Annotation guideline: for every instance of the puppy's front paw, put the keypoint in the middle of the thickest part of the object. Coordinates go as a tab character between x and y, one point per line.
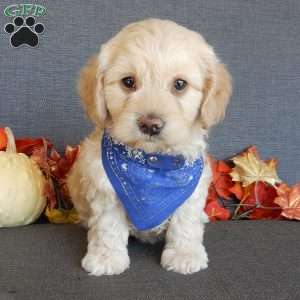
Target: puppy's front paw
184	261
98	264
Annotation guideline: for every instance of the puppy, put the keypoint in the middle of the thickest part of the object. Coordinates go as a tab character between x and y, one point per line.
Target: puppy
153	92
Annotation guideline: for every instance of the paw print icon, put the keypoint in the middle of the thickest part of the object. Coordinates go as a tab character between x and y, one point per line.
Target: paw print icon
24	31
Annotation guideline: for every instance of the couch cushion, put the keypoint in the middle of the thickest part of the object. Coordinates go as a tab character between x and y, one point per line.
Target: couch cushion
248	260
258	40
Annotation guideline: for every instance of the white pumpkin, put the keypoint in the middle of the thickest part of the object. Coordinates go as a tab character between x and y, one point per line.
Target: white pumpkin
22	184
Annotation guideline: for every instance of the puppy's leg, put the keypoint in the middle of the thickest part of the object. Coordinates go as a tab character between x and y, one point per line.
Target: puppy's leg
184	250
107	241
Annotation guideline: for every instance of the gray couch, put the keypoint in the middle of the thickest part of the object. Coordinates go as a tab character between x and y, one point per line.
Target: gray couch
260	43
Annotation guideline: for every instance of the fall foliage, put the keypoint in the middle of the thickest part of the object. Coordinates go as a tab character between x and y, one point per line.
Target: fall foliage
252	187
243	187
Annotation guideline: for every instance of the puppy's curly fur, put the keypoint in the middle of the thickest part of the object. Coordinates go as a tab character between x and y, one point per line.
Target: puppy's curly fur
155	53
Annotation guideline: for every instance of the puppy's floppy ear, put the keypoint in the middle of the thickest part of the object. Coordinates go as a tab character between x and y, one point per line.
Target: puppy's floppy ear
216	94
90	88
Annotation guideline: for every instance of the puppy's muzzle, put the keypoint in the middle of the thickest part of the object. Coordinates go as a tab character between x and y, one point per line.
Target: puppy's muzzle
150	124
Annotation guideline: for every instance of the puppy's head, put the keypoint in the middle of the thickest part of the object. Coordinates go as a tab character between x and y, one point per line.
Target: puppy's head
154	85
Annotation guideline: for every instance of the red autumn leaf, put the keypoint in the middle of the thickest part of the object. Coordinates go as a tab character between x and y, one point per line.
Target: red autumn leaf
29	145
221	179
54	155
262	207
213	209
223	167
216	212
223	185
3	139
60	166
40	156
289	200
238	190
54	166
212	194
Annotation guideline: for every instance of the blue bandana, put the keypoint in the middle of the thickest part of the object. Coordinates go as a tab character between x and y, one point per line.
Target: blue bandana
151	186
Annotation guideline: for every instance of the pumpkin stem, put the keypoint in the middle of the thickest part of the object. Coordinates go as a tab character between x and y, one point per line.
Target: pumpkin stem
11	144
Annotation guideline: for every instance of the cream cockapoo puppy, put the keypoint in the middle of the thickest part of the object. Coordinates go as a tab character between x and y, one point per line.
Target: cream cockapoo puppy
158	87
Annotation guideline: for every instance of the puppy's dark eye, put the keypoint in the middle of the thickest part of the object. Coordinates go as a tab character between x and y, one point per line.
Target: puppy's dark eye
180	84
129	82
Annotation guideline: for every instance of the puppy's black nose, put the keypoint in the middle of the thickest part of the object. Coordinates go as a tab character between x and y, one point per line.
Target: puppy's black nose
150	124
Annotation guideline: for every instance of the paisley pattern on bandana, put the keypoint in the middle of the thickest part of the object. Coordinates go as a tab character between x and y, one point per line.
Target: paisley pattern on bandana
151	186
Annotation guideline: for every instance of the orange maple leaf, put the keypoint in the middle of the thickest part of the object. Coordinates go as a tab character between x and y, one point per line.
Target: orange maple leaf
29	145
289	200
